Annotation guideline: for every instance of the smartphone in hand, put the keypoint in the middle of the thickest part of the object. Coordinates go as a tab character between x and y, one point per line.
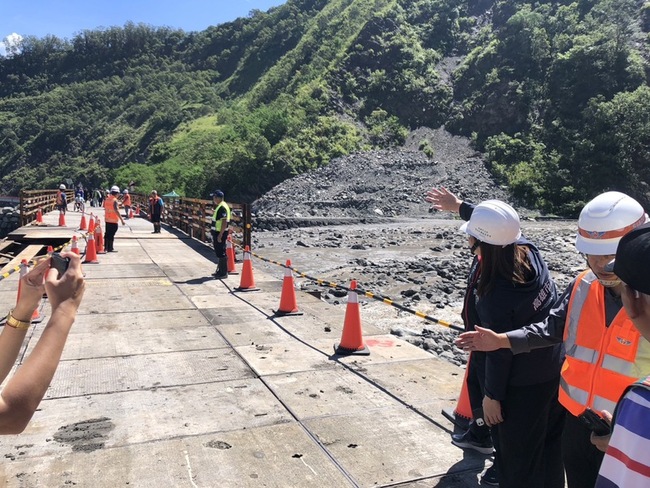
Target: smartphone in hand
59	263
595	422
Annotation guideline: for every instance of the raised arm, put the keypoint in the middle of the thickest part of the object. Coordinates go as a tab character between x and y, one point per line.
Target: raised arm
31	292
25	390
443	199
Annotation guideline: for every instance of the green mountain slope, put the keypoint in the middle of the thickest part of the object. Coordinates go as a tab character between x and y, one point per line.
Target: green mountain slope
555	93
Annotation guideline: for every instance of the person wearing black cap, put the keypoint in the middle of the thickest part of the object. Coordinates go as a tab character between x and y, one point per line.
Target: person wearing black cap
219	231
627	452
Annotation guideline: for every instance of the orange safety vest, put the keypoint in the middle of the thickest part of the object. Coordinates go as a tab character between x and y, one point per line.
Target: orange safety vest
59	198
600	360
110	215
127	200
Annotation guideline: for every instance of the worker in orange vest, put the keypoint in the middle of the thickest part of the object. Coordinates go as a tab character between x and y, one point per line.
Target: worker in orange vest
126	201
112	217
605	353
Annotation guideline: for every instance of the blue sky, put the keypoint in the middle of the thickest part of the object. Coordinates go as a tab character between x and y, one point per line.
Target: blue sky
64	18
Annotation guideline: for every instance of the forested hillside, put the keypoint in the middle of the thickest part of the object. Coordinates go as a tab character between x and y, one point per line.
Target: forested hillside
554	93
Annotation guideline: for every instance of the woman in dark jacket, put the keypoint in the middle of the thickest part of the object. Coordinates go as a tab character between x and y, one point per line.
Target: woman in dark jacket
509	282
520	392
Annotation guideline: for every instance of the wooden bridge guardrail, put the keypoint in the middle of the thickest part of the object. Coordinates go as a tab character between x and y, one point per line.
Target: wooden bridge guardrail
33	200
193	216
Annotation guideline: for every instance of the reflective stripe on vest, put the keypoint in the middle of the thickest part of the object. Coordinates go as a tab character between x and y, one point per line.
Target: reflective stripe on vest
216	224
600	360
110	215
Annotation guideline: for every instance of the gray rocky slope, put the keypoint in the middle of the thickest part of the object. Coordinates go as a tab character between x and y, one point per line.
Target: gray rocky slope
364	217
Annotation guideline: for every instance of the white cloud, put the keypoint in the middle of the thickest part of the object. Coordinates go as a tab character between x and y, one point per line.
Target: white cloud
10	44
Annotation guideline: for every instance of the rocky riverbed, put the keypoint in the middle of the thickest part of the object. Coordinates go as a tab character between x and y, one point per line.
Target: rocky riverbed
364	217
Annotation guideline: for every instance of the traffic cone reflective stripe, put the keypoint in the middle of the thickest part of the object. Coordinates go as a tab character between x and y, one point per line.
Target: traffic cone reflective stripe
91	251
288	305
74	247
91	224
83	225
230	254
352	337
99	238
247	282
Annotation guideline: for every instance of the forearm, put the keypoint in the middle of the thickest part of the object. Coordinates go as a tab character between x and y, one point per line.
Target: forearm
26	389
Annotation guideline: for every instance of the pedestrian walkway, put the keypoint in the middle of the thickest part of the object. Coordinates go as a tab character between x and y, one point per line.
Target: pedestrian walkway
171	379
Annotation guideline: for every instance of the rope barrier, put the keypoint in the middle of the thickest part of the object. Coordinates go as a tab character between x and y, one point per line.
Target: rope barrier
369	294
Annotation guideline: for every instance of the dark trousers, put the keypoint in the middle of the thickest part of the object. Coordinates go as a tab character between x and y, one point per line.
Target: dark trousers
581	458
528	442
476	391
109	236
219	247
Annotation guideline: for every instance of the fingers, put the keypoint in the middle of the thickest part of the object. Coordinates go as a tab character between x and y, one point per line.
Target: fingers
36	275
607	416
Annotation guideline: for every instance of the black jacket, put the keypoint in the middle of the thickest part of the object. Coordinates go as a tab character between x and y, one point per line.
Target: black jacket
507	307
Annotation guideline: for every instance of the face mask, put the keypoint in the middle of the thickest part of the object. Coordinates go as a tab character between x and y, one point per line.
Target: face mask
609	283
606	283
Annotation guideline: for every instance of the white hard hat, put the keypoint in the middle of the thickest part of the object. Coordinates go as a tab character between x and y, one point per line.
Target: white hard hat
115	189
61	186
605	219
494	222
125	191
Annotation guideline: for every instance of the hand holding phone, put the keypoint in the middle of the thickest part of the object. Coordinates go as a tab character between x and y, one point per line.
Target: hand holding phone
59	263
595	422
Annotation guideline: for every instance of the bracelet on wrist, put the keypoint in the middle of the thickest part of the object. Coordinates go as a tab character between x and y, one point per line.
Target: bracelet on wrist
15	323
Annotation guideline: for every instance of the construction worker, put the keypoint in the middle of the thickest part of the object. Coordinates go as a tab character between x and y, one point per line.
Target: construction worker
627	451
604	352
61	199
112	217
126	201
219	231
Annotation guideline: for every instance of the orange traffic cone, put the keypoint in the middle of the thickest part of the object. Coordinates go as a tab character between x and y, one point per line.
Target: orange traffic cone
99	238
91	224
91	250
462	414
50	250
39	216
137	210
83	225
74	247
61	218
230	254
247	282
131	213
288	305
352	337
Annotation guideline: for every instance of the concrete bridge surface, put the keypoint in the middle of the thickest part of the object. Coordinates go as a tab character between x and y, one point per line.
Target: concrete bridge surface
171	379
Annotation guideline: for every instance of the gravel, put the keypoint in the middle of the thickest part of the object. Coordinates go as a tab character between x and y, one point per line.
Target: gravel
364	217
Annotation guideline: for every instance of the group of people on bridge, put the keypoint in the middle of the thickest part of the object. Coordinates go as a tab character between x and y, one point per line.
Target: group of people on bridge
557	381
550	373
